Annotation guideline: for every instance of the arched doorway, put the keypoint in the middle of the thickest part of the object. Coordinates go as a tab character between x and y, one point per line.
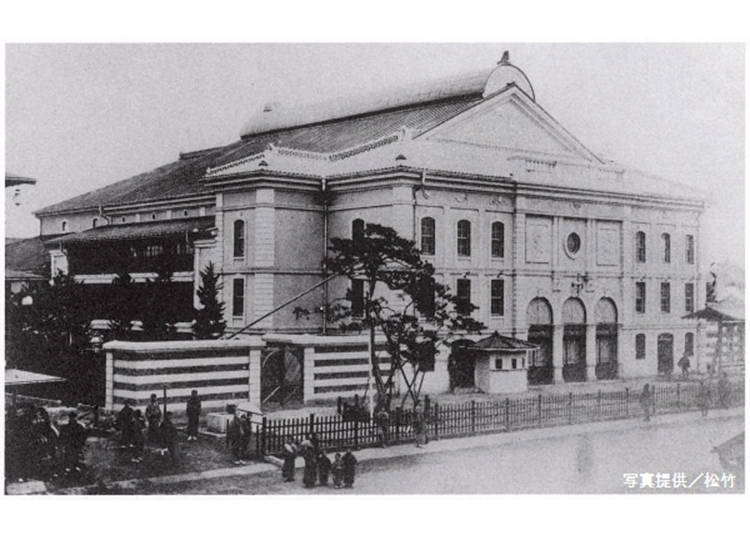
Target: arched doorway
665	353
461	365
605	316
574	340
539	320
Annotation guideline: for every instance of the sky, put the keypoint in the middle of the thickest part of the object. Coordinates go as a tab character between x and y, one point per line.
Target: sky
79	117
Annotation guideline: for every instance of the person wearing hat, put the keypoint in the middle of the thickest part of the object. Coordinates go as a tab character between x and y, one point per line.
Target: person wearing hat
349	463
289	453
153	417
73	439
193	410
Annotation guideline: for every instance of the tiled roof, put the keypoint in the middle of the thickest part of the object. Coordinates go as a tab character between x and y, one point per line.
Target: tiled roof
500	342
134	231
27	255
182	178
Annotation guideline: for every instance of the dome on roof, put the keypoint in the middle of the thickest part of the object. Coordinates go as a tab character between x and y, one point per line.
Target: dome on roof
506	73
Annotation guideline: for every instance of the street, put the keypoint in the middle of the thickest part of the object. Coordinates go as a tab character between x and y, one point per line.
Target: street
579	463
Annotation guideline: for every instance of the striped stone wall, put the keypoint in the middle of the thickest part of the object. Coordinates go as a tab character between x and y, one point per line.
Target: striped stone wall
221	371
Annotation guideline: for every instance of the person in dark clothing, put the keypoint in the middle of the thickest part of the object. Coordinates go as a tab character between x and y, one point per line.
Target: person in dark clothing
234	436
289	453
349	463
139	424
645	401
324	467
73	440
311	468
153	417
382	418
168	433
125	425
337	470
246	436
684	364
193	410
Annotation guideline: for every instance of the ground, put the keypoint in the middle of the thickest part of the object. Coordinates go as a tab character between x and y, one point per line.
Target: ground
582	462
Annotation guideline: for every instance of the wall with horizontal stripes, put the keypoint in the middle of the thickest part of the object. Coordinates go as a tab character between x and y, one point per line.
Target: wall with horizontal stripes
222	371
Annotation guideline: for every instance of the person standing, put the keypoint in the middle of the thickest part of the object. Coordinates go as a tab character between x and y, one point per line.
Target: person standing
420	427
193	410
645	401
246	433
349	463
139	424
337	470
324	467
311	468
125	424
153	416
168	433
684	364
73	440
289	453
382	418
234	436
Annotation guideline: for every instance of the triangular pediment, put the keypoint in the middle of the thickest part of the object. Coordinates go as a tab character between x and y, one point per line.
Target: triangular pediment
511	121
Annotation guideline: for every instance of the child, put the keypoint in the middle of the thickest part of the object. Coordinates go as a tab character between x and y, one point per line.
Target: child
338	471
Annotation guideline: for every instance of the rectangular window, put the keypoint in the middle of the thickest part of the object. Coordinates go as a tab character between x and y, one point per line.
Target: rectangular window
499	363
463	238
358	297
689	297
514	363
238	297
640	246
666	295
239	239
463	295
498	240
497	297
640	346
690	249
640	297
428	236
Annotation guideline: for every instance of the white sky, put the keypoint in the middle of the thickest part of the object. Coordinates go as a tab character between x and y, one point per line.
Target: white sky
79	117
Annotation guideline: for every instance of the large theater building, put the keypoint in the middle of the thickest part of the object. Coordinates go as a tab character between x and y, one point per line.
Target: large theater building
594	263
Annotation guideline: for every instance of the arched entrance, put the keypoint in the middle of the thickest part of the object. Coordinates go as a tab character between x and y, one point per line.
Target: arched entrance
665	353
574	340
539	320
605	316
461	365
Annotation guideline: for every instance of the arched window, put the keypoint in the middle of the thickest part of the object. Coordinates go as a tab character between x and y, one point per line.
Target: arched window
666	242
498	240
640	246
64	226
358	229
94	222
239	238
689	344
640	346
428	236
463	238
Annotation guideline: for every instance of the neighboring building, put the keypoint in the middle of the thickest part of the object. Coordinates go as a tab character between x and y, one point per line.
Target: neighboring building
26	260
593	263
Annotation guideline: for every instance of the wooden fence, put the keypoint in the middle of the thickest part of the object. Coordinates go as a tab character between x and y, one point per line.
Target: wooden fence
492	416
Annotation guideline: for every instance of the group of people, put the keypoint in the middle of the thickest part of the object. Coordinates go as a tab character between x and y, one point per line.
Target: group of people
702	398
156	427
318	466
239	436
36	448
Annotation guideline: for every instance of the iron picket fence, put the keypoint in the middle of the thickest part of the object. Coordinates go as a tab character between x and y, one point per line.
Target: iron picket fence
450	420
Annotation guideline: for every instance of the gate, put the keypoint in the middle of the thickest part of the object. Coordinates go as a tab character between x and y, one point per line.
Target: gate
282	375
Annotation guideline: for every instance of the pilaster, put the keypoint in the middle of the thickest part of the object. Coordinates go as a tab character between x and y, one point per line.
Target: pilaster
557	352
590	352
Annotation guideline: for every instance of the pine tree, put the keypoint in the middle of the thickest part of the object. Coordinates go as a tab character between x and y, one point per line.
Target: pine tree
157	316
209	319
123	311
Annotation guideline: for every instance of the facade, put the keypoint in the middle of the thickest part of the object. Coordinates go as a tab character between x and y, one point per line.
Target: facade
594	263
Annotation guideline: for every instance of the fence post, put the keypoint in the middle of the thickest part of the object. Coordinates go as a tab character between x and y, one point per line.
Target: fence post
338	405
473	416
599	404
570	408
507	414
627	402
435	419
678	397
539	410
312	424
356	433
263	437
653	400
398	423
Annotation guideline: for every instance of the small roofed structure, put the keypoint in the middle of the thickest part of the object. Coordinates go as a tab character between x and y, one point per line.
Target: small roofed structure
501	363
729	317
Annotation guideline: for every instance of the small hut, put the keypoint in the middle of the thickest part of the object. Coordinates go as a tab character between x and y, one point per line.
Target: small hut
728	320
501	363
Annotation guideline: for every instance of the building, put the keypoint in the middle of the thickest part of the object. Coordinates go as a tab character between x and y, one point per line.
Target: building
594	263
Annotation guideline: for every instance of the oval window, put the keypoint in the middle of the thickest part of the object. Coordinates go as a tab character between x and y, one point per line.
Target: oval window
573	243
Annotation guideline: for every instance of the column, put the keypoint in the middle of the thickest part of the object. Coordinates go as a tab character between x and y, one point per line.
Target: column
109	382
590	352
308	374
557	352
253	376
